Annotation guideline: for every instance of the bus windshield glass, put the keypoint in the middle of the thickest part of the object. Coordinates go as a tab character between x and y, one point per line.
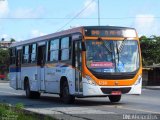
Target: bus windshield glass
112	56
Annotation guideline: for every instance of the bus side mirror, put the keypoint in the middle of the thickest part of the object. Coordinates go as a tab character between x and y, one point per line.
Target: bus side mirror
83	46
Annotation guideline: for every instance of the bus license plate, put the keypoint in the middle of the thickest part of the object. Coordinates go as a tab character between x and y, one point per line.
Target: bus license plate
116	93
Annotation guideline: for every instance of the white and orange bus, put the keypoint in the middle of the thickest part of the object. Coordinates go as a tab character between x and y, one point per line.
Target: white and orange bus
87	61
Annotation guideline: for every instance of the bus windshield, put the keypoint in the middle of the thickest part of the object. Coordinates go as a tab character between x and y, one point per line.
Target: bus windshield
112	55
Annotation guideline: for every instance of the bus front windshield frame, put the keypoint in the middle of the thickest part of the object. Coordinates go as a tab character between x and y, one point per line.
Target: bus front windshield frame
112	56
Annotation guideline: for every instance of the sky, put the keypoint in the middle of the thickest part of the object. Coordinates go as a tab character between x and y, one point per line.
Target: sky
25	19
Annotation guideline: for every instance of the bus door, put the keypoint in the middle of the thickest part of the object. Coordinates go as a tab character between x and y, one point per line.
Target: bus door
78	66
18	69
41	63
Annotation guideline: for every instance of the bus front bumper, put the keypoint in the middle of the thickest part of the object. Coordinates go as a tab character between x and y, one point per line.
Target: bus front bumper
95	90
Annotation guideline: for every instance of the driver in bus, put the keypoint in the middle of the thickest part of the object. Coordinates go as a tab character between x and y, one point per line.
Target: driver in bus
100	55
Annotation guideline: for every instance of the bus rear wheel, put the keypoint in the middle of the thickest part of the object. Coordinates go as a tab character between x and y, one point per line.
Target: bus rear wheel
29	93
114	98
65	95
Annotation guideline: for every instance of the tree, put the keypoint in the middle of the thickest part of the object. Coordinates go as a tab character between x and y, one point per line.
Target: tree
12	40
4	60
150	48
2	39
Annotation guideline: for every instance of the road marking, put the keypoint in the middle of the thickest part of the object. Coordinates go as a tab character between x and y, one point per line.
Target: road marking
134	109
10	93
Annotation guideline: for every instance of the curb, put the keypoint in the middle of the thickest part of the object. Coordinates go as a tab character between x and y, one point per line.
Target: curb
152	87
4	81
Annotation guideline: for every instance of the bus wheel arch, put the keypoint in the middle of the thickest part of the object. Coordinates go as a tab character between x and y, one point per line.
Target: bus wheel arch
29	93
27	88
26	80
64	91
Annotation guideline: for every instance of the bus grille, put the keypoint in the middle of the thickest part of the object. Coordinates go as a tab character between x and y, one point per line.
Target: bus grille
109	90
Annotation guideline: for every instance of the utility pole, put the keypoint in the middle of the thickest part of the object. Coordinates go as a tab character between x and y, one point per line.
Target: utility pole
98	14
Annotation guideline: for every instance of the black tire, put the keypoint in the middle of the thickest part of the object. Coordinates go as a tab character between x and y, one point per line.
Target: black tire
27	90
36	95
114	98
65	96
29	93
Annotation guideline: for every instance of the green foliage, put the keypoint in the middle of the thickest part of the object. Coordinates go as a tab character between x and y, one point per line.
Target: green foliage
19	106
4	56
150	49
8	112
4	59
13	40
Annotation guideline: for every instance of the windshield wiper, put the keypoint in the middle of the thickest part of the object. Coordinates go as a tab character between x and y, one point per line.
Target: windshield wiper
122	45
117	51
105	45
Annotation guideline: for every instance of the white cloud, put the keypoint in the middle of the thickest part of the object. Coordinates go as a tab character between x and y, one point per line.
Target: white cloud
147	25
28	12
36	33
7	37
4	36
91	7
4	9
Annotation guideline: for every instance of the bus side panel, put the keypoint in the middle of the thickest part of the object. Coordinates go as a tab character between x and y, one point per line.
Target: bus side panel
70	74
53	76
30	73
12	78
19	81
51	82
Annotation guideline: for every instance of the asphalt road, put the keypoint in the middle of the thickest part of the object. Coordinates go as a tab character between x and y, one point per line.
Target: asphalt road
139	107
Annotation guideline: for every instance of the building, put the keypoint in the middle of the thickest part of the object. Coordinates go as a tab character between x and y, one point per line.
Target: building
151	75
5	44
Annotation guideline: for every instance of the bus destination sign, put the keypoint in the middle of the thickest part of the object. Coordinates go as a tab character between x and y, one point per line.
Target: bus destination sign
104	33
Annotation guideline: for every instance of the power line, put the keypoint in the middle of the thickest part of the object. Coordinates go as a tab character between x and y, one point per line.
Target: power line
30	18
75	16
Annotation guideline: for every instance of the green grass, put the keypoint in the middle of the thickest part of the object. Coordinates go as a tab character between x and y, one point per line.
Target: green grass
8	112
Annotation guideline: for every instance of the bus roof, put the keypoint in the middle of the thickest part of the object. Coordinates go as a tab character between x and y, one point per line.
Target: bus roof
49	36
63	33
106	27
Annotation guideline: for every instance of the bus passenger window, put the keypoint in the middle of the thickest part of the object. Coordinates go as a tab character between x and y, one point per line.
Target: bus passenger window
54	50
26	54
13	55
65	49
33	53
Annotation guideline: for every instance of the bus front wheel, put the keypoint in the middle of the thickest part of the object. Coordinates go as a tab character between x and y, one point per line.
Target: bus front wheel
65	95
114	98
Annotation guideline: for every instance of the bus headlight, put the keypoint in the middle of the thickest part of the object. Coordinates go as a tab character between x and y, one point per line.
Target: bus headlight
139	80
90	81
